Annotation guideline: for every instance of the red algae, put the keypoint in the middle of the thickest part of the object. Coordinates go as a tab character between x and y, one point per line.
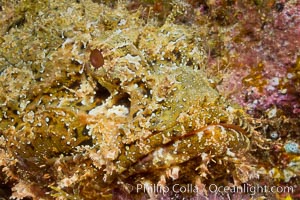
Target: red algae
269	38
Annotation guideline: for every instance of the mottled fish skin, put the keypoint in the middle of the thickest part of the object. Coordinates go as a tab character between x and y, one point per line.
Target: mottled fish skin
214	139
146	106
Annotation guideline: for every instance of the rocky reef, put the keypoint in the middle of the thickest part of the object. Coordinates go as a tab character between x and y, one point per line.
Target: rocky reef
100	99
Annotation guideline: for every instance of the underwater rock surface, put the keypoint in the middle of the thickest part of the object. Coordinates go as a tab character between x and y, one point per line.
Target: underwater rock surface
97	99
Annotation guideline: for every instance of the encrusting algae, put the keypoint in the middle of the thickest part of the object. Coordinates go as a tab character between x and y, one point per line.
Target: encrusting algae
95	100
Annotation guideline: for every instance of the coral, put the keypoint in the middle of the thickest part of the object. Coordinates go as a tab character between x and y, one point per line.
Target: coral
96	98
